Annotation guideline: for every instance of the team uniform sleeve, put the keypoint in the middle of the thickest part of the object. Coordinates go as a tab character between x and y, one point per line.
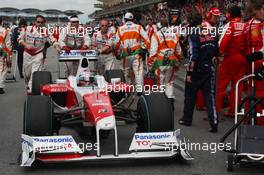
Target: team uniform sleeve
87	40
262	34
8	42
62	37
153	47
51	39
194	50
178	50
225	38
144	37
22	36
115	42
93	40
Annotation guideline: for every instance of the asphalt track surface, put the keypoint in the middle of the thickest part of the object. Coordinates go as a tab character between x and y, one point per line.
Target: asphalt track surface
205	163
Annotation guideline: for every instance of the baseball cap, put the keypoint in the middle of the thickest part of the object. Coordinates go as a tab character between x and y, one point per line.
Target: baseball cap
129	15
74	19
215	11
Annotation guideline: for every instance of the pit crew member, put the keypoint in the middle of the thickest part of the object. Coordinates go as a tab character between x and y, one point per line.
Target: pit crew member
33	39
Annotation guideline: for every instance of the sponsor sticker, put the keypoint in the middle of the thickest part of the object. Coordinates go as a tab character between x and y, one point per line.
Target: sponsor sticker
153	141
52	144
76	53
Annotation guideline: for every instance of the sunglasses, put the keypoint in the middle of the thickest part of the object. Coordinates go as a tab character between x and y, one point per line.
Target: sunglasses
75	22
40	22
104	25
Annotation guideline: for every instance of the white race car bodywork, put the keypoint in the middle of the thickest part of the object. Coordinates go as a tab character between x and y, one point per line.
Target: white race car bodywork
65	148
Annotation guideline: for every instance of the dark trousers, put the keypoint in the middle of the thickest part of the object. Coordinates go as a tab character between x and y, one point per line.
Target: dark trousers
20	52
205	82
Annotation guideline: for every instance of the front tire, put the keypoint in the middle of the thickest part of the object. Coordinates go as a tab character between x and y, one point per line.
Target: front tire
155	113
38	116
39	79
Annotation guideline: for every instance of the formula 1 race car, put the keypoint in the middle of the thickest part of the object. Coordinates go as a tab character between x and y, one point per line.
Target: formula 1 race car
91	99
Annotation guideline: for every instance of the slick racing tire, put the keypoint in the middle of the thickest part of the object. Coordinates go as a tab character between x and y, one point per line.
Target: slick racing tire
39	79
38	116
155	113
115	74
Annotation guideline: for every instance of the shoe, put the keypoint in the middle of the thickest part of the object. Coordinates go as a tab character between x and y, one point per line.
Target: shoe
213	129
182	122
21	76
2	91
205	118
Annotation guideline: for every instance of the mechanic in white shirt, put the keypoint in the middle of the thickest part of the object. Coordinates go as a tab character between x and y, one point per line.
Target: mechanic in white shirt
74	37
33	39
99	41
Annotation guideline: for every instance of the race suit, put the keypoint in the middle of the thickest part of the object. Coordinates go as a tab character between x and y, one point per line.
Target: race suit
128	41
233	66
106	61
73	39
254	35
33	56
200	101
151	29
5	53
165	52
203	48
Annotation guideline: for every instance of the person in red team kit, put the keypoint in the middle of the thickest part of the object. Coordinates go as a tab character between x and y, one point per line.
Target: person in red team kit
254	35
233	66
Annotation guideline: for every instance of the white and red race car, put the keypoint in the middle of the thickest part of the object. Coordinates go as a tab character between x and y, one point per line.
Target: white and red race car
85	98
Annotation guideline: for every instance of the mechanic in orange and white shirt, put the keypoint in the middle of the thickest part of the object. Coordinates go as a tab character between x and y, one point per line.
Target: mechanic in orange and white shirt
5	54
165	53
99	41
33	39
129	39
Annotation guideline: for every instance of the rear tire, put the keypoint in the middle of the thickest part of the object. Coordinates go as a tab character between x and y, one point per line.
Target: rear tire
39	79
155	113
38	119
113	74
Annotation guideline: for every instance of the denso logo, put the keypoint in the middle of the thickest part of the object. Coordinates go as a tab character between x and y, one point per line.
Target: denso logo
59	89
54	140
152	137
100	104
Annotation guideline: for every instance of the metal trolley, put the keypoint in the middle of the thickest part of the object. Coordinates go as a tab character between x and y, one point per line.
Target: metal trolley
248	137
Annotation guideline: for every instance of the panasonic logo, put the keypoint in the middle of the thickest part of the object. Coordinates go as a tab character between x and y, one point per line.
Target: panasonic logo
26	142
152	137
54	140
